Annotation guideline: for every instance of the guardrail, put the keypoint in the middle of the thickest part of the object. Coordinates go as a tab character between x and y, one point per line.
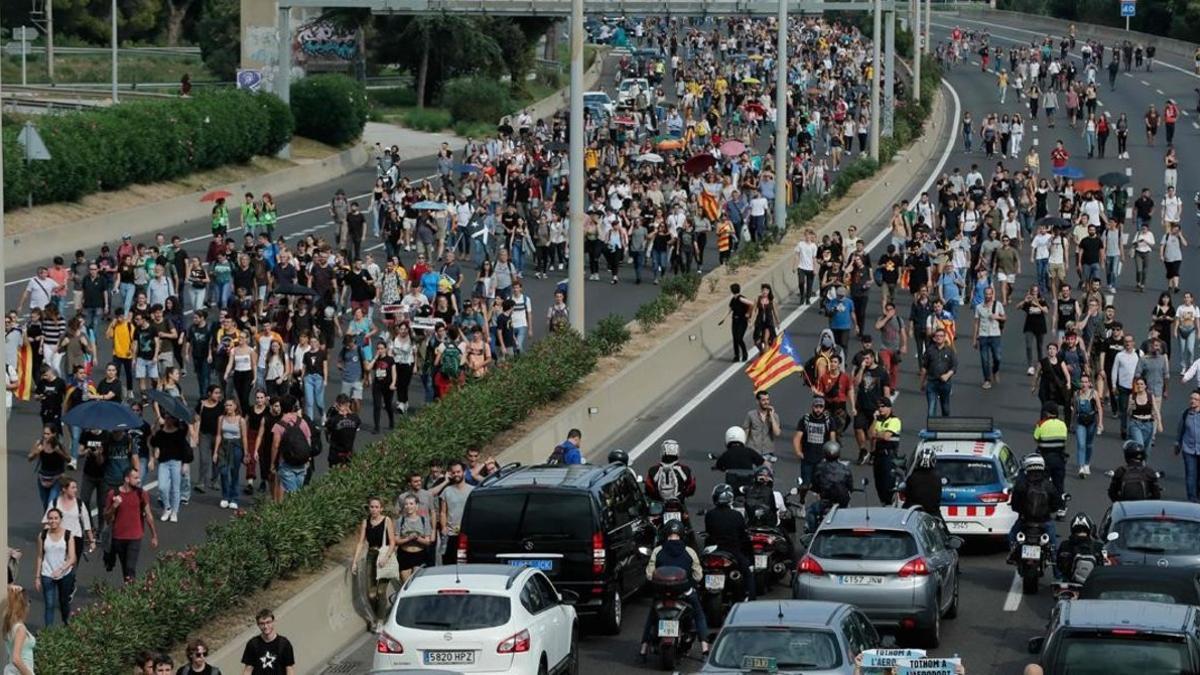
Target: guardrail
137	51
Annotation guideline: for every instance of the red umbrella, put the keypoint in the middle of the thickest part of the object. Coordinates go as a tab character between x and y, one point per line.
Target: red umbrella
699	164
756	107
1087	185
215	195
732	148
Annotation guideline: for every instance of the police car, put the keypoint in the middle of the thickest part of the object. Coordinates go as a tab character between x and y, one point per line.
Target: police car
978	471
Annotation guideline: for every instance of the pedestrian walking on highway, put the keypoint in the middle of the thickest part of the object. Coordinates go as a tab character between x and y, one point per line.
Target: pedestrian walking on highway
268	653
376	539
1088	413
56	559
762	424
1188	445
937	368
19	643
228	452
1050	435
197	655
454	500
127	509
51	458
989	324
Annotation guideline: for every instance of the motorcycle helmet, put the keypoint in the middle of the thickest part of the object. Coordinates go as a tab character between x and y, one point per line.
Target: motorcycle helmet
722	494
832	450
1033	462
763	474
618	456
1081	525
735	435
673	527
670	451
1134	452
926	458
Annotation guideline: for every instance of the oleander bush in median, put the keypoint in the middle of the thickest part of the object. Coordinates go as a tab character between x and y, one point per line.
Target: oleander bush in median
330	108
143	141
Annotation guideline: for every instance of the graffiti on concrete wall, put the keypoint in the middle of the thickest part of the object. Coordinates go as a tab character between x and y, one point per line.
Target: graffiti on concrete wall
320	45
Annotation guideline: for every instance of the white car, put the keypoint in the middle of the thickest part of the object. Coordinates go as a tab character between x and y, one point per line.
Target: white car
630	87
599	99
480	619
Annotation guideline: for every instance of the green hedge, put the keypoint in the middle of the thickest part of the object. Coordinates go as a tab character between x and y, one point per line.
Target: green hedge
144	142
184	590
330	108
477	99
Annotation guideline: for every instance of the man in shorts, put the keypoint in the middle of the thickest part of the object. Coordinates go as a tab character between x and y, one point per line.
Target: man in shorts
1008	266
145	362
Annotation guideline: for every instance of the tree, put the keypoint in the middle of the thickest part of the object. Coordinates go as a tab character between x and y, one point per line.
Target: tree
219	35
173	16
435	48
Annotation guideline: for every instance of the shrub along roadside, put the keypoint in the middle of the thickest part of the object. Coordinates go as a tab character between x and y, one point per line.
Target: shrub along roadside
184	590
143	142
330	108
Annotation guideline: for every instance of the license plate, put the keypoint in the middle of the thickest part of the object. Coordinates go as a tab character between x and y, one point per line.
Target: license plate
543	565
668	628
450	658
760	561
1029	552
668	516
861	580
957	524
714	582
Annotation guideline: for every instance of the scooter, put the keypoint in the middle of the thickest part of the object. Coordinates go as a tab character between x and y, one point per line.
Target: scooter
1081	568
740	479
673	624
667	510
724	586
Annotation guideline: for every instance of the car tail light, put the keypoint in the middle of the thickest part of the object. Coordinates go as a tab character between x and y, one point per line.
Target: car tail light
386	644
598	553
454	591
717	562
462	549
993	497
514	644
1124	631
809	565
917	567
761	540
861	531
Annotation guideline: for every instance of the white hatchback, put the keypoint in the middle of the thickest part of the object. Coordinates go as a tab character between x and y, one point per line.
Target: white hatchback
480	619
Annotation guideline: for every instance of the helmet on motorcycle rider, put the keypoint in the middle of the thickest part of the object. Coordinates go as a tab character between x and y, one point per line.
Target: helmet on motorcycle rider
1134	452
670	451
673	527
1033	462
831	450
735	435
762	474
1082	525
722	494
618	456
926	458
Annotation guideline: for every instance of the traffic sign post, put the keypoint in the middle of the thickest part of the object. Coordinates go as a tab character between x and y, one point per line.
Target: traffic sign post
22	36
35	149
1128	9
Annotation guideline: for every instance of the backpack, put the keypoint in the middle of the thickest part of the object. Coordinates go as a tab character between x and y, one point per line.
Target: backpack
668	483
451	363
558	320
557	456
1135	483
294	446
1037	502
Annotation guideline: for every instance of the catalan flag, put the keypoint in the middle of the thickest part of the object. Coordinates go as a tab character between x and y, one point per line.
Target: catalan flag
24	370
709	205
776	363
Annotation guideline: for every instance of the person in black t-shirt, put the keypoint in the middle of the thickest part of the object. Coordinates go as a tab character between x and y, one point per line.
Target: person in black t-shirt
268	653
52	392
197	654
341	428
198	346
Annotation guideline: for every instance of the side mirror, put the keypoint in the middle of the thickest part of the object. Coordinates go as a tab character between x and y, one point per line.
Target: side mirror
1112	536
799	480
1066	497
901	486
1035	644
712	457
806	540
794	491
656	508
568	597
954	543
865	482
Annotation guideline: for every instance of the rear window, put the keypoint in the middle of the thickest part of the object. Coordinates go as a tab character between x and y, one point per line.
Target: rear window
792	648
863	544
967	472
468	611
513	516
1104	655
1130	594
1160	535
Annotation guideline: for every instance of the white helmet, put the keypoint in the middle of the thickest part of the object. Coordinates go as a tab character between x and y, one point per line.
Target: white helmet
670	451
1034	462
735	435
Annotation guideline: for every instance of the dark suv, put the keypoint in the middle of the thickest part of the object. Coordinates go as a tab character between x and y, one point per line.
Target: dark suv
1098	637
587	527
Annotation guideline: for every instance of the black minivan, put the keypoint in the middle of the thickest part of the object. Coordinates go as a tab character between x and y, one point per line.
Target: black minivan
587	527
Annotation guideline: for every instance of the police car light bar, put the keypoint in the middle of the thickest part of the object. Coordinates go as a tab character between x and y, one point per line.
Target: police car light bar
960	428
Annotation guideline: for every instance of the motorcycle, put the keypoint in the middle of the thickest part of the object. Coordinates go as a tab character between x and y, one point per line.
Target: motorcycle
724	586
667	510
1033	554
1081	568
673	624
740	479
773	552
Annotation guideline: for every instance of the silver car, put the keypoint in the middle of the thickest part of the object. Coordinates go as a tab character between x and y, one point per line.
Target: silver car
791	636
899	566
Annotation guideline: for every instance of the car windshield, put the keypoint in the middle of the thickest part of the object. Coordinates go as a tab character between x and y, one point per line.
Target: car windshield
964	472
513	516
466	611
790	647
1132	594
863	544
1098	655
1160	535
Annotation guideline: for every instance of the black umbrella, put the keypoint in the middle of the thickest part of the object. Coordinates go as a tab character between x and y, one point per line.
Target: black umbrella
557	146
1054	222
172	405
294	289
104	415
1113	179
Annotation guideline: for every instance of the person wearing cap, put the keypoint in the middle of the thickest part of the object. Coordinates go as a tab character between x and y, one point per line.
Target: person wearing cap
885	441
1050	435
812	432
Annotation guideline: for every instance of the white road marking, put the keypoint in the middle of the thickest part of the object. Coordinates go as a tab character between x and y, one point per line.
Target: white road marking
1160	92
1035	142
1035	128
1129	171
1128	74
1100	103
1013	600
1195	125
735	368
1145	83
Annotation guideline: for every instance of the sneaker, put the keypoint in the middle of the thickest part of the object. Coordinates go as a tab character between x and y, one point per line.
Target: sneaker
1082	472
233	506
174	517
224	503
987	385
72	465
1031	370
198	488
249	489
1087	468
165	515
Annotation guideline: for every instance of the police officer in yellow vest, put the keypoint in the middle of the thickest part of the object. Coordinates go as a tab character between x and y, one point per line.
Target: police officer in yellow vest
1050	434
885	437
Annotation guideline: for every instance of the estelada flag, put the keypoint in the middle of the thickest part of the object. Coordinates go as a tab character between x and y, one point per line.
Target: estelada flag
24	368
774	364
709	205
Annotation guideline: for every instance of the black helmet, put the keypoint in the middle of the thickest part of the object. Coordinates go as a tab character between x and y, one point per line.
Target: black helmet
831	449
722	494
763	471
926	458
1082	525
1134	452
673	527
618	456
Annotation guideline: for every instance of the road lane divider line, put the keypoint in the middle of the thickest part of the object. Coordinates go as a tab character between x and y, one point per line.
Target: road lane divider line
1012	600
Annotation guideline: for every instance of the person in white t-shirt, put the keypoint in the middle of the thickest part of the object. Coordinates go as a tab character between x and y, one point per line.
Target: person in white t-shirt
1039	255
806	259
39	291
1172	209
522	316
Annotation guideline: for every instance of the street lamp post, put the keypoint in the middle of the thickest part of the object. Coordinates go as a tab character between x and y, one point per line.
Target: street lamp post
875	45
283	73
889	73
781	119
915	8
114	51
575	182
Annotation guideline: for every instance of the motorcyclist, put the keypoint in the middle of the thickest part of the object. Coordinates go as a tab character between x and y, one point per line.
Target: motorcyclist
762	493
1135	480
618	456
738	456
674	553
923	487
1081	542
726	529
1035	499
670	478
832	482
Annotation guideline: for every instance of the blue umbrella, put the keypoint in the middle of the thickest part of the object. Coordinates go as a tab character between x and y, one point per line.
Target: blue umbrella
1069	172
465	168
103	415
429	206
